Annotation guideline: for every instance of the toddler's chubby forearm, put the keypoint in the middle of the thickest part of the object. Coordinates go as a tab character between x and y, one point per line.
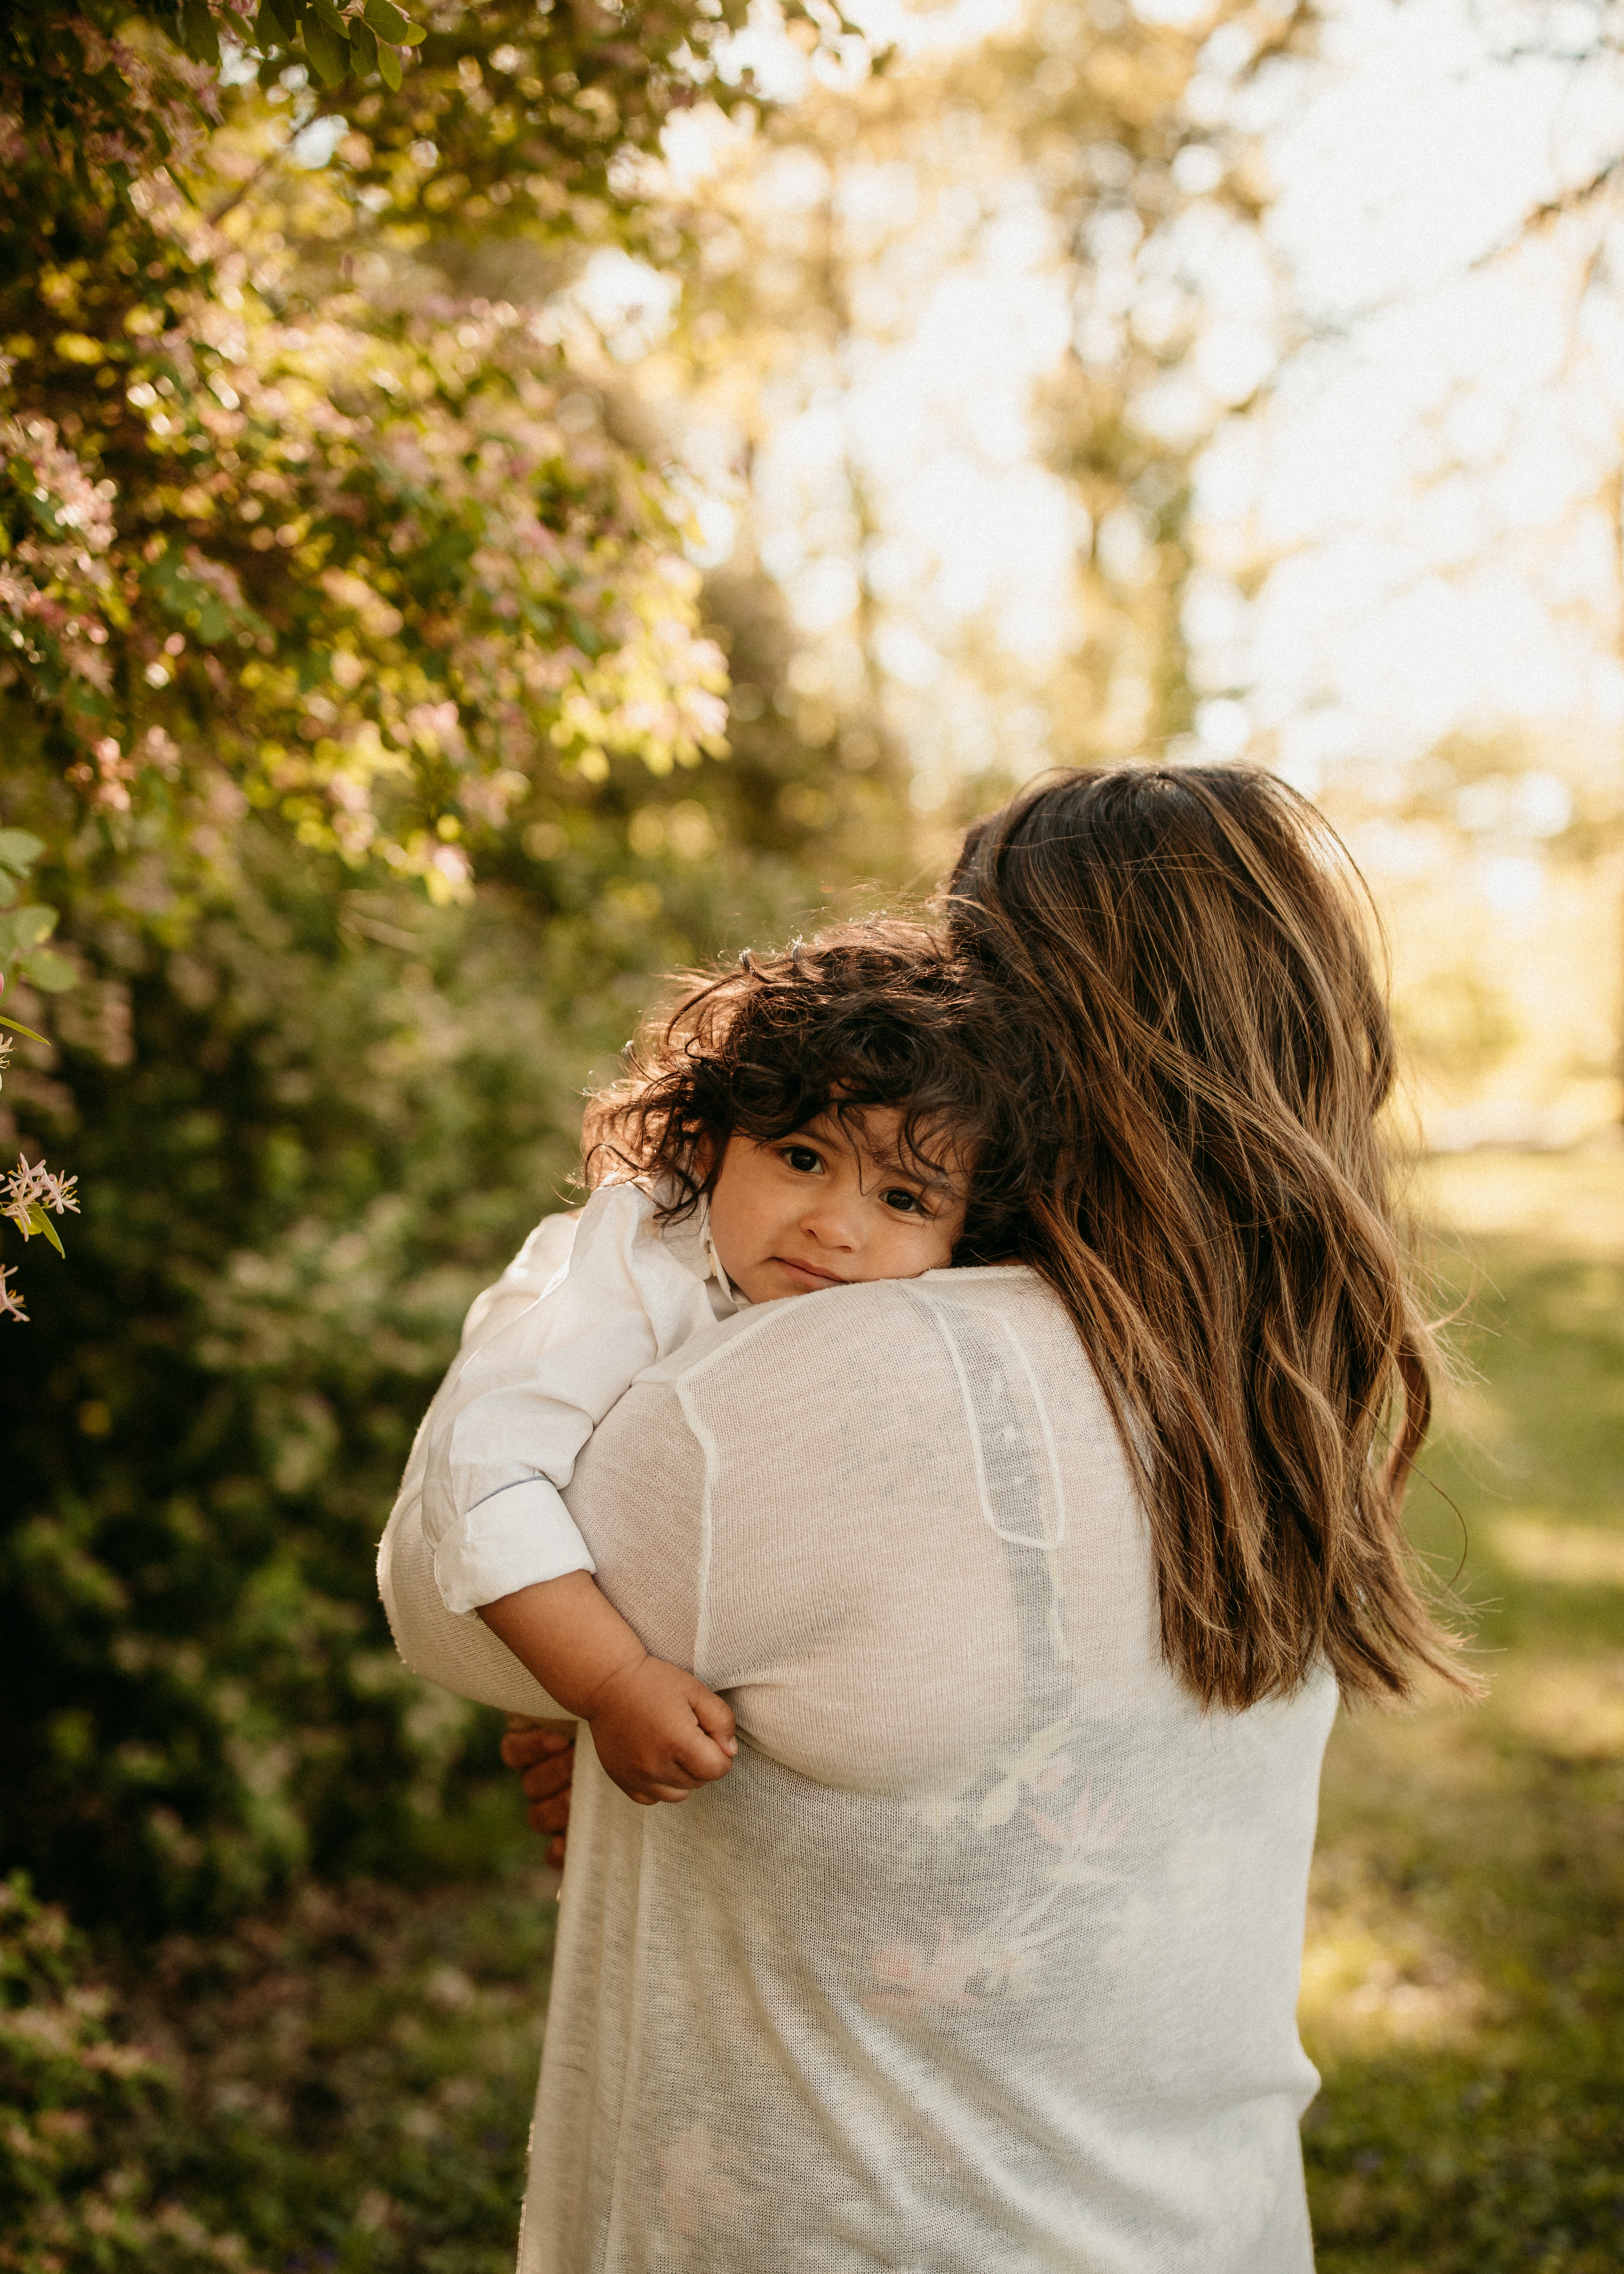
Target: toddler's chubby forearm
657	1731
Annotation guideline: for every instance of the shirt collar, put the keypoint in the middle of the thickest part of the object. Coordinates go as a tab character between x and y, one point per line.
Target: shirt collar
735	1295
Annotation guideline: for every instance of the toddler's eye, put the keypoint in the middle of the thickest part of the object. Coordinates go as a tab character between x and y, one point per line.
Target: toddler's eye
903	1202
803	1158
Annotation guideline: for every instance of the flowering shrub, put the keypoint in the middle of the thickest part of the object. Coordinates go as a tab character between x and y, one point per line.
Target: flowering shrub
376	582
286	503
306	1131
332	569
30	1195
378	565
28	1192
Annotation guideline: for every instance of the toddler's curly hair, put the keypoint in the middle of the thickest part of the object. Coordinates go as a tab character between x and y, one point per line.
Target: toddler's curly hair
864	1017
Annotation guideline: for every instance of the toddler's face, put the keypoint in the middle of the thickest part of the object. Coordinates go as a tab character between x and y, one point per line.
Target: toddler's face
826	1207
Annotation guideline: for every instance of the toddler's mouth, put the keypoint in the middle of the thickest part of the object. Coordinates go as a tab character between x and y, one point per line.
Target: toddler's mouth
812	1271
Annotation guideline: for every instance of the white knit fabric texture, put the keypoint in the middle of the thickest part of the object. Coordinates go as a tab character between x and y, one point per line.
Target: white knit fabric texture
983	1958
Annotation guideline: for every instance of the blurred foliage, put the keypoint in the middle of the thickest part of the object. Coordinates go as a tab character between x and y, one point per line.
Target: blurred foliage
323	570
1129	137
30	1195
345	2083
305	1135
1472	848
25	925
1464	1985
281	505
76	2101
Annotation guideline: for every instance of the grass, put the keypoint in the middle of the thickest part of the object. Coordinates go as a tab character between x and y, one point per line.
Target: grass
1463	1988
353	2075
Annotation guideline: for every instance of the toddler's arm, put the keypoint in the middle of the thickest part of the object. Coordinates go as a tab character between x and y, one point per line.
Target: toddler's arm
501	1438
657	1731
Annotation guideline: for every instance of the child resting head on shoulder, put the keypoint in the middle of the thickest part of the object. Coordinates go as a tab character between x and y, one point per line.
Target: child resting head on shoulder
818	1118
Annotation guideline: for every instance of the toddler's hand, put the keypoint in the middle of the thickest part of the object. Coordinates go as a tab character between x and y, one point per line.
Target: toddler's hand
659	1733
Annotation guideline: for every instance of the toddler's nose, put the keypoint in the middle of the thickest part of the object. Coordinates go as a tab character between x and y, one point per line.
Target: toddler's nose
830	1225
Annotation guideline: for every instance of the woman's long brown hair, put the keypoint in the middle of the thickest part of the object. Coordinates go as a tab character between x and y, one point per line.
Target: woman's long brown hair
1181	954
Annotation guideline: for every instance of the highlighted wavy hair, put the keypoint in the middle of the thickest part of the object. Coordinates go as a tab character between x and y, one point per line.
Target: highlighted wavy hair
1198	1049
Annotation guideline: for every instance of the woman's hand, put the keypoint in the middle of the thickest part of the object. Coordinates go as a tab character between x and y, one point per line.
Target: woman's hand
544	1753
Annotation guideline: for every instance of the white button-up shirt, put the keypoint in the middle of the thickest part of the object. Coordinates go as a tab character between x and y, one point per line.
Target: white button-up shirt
590	1300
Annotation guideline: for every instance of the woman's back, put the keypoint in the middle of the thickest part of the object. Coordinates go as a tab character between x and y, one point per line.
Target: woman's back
984	1956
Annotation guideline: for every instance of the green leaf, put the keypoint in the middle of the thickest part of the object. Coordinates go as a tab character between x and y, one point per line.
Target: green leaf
389	68
277	22
198	34
363	47
16	1027
50	972
330	17
40	1222
21	929
19	849
328	51
388	22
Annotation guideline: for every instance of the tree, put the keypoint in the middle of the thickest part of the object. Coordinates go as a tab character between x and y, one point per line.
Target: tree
1422	506
828	241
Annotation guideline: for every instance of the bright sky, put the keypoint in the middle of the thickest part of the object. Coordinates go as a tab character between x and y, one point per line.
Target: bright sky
1431	479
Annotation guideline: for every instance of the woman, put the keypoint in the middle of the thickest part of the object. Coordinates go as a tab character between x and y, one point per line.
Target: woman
1032	1601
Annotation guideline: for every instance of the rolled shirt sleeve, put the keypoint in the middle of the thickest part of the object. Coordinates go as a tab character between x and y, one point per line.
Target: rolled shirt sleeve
529	1388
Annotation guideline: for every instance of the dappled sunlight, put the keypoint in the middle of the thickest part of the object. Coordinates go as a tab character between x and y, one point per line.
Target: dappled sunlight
1570	1708
484	529
1377	1976
1560	1555
1463	1977
1572	1202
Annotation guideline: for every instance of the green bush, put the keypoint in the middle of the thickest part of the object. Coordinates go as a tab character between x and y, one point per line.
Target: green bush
76	2105
344	2081
306	1134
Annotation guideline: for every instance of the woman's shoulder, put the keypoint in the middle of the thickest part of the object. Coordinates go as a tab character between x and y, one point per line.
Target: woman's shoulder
896	1326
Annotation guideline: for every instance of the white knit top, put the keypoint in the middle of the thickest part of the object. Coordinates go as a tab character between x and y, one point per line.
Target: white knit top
983	1958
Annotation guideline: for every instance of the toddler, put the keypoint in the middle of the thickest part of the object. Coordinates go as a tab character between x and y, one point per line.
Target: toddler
808	1121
